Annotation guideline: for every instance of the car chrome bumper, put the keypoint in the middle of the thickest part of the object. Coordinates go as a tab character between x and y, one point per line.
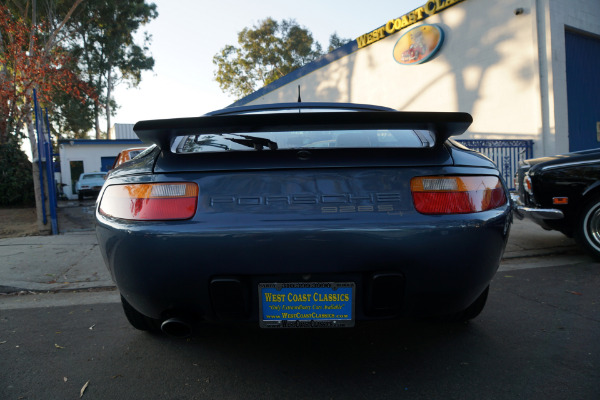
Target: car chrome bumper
535	214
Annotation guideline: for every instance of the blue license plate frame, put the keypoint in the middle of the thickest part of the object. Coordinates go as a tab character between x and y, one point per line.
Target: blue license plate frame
307	304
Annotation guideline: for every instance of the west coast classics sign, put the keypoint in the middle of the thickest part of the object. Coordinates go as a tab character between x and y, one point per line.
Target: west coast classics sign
428	9
418	44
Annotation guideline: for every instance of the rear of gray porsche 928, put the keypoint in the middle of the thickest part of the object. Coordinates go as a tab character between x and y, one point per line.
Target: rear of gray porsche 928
303	219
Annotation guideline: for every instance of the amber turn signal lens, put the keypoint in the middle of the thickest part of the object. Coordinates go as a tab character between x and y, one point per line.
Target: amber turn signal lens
457	194
150	201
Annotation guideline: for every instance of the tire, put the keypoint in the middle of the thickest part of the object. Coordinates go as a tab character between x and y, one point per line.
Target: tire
138	320
587	232
79	196
472	311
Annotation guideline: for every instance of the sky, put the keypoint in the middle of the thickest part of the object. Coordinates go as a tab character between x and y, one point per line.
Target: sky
188	33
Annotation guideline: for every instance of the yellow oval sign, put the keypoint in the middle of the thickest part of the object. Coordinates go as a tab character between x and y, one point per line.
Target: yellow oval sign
418	45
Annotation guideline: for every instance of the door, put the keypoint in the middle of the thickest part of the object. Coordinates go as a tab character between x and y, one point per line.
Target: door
583	90
76	170
106	163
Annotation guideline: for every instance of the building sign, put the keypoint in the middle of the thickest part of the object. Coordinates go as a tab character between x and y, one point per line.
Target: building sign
428	9
418	45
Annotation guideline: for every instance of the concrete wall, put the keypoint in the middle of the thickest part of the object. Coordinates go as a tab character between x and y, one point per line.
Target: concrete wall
491	65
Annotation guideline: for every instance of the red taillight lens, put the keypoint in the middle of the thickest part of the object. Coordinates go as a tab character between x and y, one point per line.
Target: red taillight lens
150	201
456	194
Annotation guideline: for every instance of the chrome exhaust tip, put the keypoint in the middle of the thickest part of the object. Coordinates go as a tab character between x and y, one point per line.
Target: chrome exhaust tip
176	328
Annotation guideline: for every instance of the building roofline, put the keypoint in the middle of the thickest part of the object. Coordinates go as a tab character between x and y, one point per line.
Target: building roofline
99	141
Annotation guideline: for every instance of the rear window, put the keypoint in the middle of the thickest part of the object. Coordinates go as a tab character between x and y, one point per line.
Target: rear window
134	153
348	139
92	176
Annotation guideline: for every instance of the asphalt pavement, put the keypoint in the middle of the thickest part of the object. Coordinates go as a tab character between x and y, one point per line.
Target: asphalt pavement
536	339
71	260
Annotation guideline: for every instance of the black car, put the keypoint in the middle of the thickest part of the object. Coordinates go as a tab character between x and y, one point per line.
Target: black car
563	193
303	215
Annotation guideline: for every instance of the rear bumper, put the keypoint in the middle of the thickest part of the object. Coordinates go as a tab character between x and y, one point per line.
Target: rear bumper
437	267
89	191
537	215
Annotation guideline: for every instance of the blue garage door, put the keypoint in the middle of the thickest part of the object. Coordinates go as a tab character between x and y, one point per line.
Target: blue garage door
106	163
583	90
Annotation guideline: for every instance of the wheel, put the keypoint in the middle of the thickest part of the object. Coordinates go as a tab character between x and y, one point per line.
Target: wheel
139	320
472	311
588	227
79	196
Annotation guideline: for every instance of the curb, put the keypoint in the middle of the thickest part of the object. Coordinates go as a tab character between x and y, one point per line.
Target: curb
12	291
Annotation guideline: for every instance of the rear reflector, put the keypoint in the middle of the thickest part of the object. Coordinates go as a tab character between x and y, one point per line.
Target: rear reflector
561	201
150	201
456	194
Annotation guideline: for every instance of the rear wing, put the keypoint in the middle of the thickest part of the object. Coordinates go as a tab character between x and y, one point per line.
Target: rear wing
441	124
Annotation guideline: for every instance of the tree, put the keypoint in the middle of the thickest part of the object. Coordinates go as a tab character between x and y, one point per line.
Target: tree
31	58
16	182
335	42
74	58
266	53
27	62
103	37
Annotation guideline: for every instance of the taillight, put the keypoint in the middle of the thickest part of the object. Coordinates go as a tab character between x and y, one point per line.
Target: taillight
150	201
456	194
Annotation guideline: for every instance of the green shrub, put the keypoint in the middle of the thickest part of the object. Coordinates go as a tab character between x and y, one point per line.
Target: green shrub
16	181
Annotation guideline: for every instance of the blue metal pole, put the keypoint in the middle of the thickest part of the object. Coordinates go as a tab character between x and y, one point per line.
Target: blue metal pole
40	148
51	180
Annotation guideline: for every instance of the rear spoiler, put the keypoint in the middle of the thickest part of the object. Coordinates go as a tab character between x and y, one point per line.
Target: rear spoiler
163	132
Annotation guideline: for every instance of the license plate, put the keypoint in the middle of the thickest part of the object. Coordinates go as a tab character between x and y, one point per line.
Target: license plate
306	305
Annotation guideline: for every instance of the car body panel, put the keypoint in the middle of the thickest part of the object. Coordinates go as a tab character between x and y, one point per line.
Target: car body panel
337	225
297	215
575	176
126	155
162	132
298	107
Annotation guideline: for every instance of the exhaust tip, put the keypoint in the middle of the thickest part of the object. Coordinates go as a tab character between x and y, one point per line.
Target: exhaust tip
176	328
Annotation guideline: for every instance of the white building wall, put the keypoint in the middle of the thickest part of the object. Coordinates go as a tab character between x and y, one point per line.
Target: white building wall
90	154
490	65
487	66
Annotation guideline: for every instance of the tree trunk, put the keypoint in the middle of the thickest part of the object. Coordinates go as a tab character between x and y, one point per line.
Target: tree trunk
3	107
47	228
97	120
108	93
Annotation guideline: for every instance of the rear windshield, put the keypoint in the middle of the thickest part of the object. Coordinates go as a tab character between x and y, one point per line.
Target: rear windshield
397	138
134	153
92	176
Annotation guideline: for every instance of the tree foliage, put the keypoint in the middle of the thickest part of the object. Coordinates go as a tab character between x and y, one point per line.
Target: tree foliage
104	39
26	62
265	53
335	42
16	182
97	41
